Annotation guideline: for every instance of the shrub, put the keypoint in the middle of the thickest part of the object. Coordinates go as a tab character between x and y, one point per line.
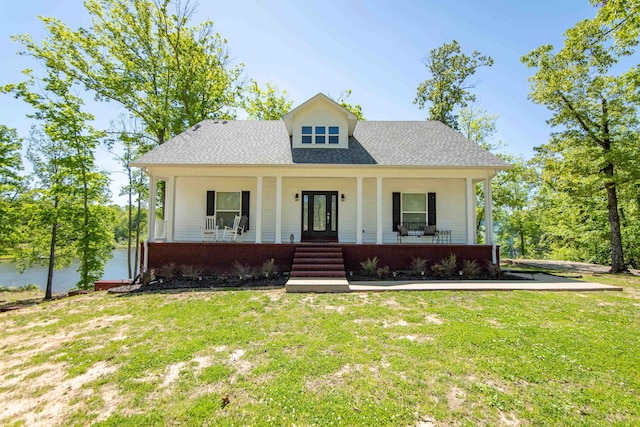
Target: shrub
192	272
449	265
494	270
147	277
168	271
269	268
438	270
383	272
370	266
470	269
242	271
418	266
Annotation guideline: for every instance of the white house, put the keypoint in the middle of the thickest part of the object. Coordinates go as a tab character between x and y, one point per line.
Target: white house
319	174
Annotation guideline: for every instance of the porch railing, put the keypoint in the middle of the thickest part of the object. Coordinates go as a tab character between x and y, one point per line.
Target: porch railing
161	229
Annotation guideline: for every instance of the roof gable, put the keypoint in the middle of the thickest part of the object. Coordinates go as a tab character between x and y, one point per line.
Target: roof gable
319	101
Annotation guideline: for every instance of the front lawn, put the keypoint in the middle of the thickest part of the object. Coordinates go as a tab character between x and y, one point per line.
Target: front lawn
271	358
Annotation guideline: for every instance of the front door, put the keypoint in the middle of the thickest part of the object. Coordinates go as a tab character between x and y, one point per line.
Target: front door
320	216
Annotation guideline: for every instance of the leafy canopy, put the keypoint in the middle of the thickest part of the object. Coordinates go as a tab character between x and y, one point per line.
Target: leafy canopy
448	87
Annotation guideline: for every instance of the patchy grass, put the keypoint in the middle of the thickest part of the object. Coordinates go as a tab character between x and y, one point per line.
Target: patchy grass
270	358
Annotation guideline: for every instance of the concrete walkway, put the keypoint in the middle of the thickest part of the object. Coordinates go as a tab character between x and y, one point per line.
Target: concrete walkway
536	282
572	266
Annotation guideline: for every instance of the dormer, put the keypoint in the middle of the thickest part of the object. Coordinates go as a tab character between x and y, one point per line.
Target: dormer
320	122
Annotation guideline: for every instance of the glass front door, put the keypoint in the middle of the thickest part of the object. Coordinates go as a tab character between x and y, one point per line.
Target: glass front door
320	215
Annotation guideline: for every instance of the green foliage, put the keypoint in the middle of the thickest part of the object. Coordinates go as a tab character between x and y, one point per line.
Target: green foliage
144	56
595	154
10	188
494	270
370	266
26	288
269	268
446	267
418	266
383	272
470	269
265	104
241	271
356	109
191	272
168	271
448	87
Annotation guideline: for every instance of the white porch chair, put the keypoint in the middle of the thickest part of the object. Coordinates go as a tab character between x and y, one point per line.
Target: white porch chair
236	232
210	227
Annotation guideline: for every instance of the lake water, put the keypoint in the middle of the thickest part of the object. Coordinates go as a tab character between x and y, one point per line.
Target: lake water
64	279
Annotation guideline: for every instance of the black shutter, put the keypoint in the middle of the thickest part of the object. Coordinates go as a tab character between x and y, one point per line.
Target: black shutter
245	206
211	203
396	211
431	214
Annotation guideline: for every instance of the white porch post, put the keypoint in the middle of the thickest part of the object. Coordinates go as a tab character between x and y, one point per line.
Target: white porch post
170	206
278	209
151	212
471	206
359	210
488	211
259	210
379	210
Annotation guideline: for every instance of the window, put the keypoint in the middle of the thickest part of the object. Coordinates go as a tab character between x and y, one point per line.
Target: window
320	134
334	131
227	207
306	134
414	208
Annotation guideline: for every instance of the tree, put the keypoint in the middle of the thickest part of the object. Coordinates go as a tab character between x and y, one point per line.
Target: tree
356	109
10	186
448	87
139	55
134	143
267	104
47	209
75	176
596	148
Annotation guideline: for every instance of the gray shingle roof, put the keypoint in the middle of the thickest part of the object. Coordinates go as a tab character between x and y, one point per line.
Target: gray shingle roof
391	143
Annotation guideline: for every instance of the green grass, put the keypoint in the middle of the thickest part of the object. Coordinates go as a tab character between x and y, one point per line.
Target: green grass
270	358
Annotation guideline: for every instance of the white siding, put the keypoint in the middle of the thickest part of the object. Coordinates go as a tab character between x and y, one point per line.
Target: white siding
450	204
190	205
320	117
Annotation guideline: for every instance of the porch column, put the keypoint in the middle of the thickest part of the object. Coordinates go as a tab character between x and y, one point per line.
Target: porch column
151	213
379	210
170	206
259	210
359	210
278	209
488	211
471	206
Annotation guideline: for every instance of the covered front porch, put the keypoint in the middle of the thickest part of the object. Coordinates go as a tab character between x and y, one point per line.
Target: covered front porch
310	204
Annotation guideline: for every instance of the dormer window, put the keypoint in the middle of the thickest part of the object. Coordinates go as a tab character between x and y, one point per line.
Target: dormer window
334	131
320	134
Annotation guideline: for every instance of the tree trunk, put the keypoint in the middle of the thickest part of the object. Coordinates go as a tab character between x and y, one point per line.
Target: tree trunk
137	250
617	256
130	224
52	253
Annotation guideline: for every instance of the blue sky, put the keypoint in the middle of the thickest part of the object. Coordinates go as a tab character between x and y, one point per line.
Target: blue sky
375	48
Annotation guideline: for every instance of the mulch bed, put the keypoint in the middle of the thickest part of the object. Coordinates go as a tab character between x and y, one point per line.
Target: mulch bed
215	282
